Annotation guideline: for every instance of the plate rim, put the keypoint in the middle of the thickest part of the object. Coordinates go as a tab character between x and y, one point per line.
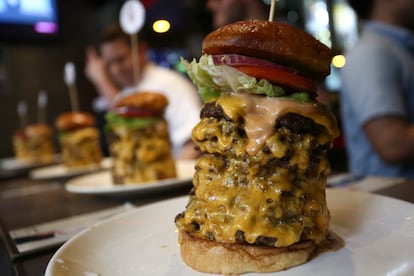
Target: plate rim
33	174
25	164
182	199
120	189
55	256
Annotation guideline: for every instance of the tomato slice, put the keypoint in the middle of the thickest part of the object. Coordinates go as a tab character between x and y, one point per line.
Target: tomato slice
263	69
20	133
280	77
129	112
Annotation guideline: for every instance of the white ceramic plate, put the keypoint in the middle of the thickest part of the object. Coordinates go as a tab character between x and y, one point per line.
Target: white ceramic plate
378	233
101	183
60	171
13	164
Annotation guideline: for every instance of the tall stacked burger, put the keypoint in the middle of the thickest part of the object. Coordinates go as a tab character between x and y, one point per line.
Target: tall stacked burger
258	203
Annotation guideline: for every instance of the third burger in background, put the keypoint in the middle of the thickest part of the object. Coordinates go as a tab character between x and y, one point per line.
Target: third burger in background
34	143
258	203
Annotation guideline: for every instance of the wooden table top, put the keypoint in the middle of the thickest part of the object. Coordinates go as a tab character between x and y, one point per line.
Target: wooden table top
25	202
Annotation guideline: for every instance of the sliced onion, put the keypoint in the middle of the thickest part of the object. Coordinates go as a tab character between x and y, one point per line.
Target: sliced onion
239	60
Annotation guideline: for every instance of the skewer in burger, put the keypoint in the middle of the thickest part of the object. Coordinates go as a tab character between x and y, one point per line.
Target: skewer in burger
138	138
258	202
34	143
79	139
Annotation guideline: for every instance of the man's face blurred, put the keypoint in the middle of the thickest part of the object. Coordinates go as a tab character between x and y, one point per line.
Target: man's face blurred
117	57
226	11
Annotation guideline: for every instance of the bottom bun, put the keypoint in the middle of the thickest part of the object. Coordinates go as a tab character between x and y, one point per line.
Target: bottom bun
223	258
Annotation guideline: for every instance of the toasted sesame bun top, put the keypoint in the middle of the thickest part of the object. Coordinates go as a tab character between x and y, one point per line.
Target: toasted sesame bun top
274	41
35	130
73	120
145	100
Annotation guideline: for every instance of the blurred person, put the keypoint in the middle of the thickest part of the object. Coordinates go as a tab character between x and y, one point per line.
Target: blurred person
110	69
377	97
228	11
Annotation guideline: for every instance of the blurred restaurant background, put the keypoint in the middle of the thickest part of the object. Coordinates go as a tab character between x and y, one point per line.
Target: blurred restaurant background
37	37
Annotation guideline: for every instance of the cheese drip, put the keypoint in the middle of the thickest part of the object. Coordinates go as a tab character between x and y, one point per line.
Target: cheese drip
141	155
81	147
260	115
260	195
244	194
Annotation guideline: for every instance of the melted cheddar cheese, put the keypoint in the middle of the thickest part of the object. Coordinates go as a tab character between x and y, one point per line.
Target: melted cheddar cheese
34	149
141	154
258	180
81	148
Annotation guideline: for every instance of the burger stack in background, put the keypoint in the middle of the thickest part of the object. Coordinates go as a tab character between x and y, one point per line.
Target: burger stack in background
34	144
136	132
138	139
77	136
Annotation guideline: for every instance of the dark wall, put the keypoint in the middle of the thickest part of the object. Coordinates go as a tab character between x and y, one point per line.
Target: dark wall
31	65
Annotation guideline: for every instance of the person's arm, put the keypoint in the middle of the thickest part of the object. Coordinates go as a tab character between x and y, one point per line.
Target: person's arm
392	138
95	71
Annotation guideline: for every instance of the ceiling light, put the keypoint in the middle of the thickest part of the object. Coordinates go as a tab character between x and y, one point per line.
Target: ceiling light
161	26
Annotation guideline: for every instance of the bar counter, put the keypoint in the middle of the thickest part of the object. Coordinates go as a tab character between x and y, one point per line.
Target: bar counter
25	202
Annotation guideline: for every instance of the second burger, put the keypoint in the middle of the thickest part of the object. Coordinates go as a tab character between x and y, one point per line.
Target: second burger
138	138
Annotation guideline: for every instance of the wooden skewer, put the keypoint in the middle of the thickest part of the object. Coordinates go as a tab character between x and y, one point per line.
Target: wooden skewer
135	57
22	112
272	10
74	102
41	105
70	80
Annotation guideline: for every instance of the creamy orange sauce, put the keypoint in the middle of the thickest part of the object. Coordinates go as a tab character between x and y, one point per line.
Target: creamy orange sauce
260	114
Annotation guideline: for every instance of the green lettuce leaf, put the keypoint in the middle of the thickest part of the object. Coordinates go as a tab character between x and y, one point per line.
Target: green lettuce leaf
112	119
302	97
212	80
